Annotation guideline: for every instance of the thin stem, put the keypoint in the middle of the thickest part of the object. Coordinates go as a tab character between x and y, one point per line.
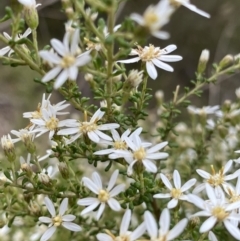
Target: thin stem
35	44
211	79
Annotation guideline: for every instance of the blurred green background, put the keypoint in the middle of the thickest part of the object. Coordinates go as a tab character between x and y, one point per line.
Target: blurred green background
190	32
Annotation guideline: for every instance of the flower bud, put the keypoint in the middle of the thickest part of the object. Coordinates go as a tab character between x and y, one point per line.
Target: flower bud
204	57
88	77
226	61
135	77
34	208
63	169
31	17
8	147
44	179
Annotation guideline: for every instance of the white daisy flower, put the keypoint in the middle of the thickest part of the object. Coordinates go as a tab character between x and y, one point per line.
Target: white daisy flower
58	220
216	179
205	110
103	195
124	234
48	122
217	210
155	17
89	128
139	154
176	192
37	114
8	49
23	135
164	222
187	4
154	57
118	142
67	64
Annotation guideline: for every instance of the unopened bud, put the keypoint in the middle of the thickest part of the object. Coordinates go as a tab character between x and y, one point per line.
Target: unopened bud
34	208
135	77
28	197
44	179
8	147
159	95
88	77
226	61
31	17
222	130
69	12
2	223
93	16
63	169
27	169
194	221
204	57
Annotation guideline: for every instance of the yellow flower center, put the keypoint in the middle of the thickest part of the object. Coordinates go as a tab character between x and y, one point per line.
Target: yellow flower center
52	123
67	61
176	193
57	221
87	127
219	213
103	196
150	18
139	154
120	145
122	238
148	53
216	179
161	238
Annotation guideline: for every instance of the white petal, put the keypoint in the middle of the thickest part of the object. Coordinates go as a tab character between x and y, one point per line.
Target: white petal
166	181
114	204
50	206
197	201
108	126
125	222
151	167
203	174
113	180
116	190
73	72
87	201
162	65
75	41
212	237
45	219
176	179
177	229
161	34
234	231
228	166
61	79
162	195
104	237
152	72
138	232
170	58
50	57
71	226
188	184
170	48
137	18
83	59
4	50
195	9
90	208
68	218
91	185
128	61
51	74
48	234
97	180
93	136
100	210
58	46
151	225
104	152
68	131
164	221
63	206
157	147
158	155
211	194
208	224
172	203
103	135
